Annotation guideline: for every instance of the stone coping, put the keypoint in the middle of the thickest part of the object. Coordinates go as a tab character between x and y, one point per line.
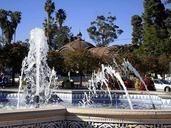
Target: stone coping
121	113
37	113
22	110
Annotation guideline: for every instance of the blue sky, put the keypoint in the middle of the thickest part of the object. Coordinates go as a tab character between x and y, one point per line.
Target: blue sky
79	14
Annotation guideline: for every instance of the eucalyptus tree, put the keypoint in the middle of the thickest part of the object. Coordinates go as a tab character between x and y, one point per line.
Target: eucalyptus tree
103	30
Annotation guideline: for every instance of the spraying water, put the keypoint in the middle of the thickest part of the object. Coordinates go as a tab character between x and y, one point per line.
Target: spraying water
102	78
127	65
115	73
87	99
36	76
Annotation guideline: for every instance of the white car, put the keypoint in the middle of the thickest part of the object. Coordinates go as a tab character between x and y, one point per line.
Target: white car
162	85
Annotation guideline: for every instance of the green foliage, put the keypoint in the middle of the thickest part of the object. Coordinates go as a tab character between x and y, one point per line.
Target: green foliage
122	49
62	36
56	60
3	19
49	22
168	20
137	34
49	7
2	62
103	30
81	60
57	34
14	54
8	22
156	36
67	84
60	17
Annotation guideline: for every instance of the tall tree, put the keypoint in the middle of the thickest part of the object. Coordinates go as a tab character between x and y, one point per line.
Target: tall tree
57	34
8	23
155	31
60	17
14	54
15	20
168	20
137	34
56	60
62	36
3	20
104	30
82	61
49	22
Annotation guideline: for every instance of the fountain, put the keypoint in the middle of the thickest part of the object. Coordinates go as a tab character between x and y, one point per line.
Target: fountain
127	65
36	88
101	79
36	76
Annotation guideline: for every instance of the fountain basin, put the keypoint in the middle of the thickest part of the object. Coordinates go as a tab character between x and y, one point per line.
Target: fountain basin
60	117
119	100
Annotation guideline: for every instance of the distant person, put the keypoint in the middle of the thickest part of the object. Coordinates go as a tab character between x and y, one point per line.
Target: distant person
149	83
137	84
128	83
142	87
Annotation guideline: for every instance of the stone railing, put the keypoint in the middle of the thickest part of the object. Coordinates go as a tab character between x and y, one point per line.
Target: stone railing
60	117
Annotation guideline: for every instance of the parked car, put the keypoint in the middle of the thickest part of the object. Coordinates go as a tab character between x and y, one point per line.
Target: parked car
162	85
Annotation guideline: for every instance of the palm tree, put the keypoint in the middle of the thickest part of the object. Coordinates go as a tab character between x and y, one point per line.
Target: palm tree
8	32
49	8
15	19
3	20
60	17
8	23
